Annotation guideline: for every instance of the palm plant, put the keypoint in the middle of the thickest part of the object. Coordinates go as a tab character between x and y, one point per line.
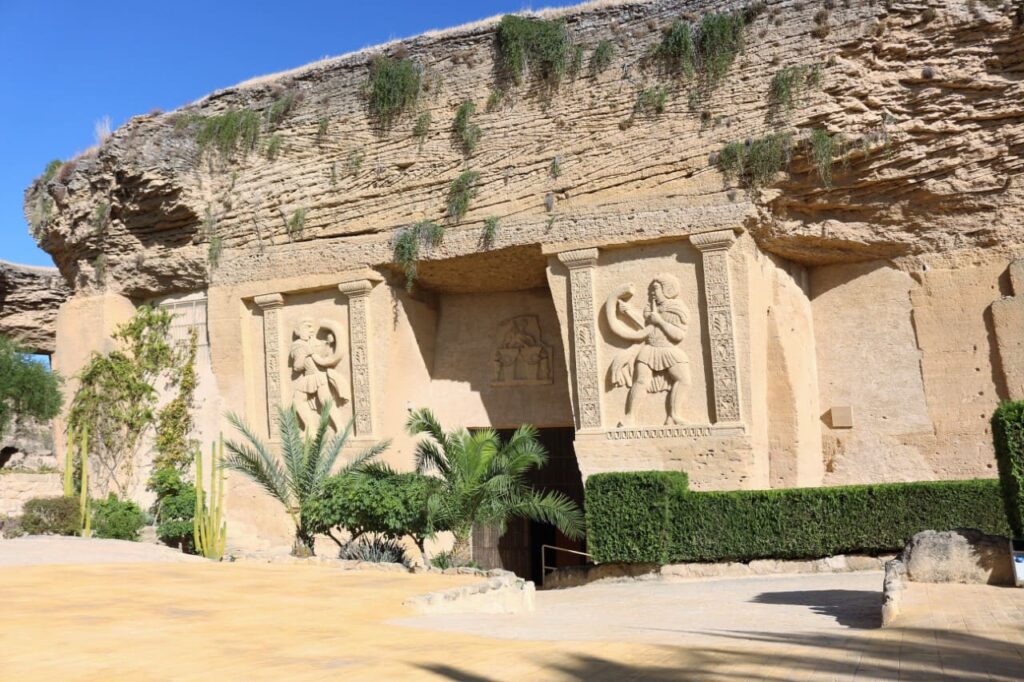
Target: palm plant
304	464
484	480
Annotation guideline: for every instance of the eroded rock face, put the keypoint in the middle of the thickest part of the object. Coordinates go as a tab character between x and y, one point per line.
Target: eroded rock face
958	556
29	299
928	101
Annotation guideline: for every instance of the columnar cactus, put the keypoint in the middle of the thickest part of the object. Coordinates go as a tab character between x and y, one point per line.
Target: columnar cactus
69	466
85	507
209	529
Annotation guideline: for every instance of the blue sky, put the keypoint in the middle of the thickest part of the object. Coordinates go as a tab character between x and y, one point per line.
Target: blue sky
65	64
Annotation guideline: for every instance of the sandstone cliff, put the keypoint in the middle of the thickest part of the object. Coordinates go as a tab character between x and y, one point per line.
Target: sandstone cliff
29	298
922	102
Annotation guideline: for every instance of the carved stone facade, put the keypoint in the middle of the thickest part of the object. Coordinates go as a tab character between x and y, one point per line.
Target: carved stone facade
582	265
714	247
357	293
271	305
521	357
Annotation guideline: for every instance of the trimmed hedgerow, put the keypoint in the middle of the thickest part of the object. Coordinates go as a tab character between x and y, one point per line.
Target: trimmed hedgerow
629	515
1008	436
649	517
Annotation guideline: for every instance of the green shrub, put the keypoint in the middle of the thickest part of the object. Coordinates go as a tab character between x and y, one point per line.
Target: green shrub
227	132
446	560
491	225
376	550
117	519
651	101
50	171
462	191
175	508
756	163
407	246
280	108
27	388
467	134
421	128
273	147
541	45
788	83
628	516
824	148
719	41
381	503
602	57
393	87
1008	436
51	516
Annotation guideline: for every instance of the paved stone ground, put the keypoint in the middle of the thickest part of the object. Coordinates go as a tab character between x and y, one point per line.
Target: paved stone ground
159	621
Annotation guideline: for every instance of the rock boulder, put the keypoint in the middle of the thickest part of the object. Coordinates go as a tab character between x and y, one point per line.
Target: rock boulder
963	555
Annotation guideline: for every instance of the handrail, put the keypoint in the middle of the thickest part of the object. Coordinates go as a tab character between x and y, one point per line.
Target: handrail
544	559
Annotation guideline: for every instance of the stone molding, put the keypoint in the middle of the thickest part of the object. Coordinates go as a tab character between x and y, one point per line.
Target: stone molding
714	248
582	265
357	292
271	305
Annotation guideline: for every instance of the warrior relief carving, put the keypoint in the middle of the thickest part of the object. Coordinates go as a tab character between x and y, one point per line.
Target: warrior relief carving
318	382
521	357
656	364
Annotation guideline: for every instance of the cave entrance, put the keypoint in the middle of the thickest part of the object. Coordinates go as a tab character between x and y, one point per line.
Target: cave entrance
519	549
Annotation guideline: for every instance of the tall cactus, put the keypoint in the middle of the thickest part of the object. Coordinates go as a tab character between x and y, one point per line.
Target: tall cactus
69	466
84	506
209	529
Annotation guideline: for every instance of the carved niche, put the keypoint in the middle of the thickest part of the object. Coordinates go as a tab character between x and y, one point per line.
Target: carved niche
655	363
521	357
314	355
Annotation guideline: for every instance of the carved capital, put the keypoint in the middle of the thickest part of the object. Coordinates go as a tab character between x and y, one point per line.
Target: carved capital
713	241
580	258
269	301
356	288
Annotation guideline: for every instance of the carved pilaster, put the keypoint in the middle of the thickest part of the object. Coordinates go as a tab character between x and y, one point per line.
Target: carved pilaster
714	248
582	264
271	305
358	293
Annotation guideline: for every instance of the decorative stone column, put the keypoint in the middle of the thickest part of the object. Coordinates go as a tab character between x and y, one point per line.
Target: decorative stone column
358	292
714	248
271	305
582	264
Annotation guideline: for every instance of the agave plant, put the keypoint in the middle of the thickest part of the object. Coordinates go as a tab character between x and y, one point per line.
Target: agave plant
305	463
484	480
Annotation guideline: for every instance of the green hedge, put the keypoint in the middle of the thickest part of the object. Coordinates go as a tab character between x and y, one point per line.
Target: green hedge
652	517
629	515
1008	436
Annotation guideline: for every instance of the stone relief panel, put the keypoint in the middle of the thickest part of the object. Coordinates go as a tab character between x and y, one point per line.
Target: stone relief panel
315	353
654	363
521	358
653	342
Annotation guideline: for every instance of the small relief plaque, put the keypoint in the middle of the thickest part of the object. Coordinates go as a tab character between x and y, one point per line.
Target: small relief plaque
521	358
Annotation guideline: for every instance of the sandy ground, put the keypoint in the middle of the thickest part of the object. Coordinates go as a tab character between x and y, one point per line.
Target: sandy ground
219	621
58	549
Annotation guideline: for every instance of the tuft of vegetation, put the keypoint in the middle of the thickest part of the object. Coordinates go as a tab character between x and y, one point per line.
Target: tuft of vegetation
229	132
374	550
824	148
556	167
393	87
321	130
461	193
676	51
99	268
50	171
651	101
491	225
494	100
421	128
407	246
355	160
755	163
720	40
101	218
51	515
297	223
467	133
790	82
213	251
538	45
273	147
280	108
602	57
576	63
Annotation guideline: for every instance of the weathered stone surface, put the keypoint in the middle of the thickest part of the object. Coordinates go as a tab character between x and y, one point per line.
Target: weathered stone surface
958	556
573	576
29	298
893	585
934	162
502	594
18	488
27	444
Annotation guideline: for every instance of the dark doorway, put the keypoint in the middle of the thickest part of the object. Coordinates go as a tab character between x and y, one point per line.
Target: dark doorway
519	549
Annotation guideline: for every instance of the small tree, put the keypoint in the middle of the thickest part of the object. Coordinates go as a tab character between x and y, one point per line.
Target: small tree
483	480
27	388
304	465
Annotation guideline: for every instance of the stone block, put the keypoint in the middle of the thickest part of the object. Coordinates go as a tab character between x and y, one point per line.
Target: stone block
963	555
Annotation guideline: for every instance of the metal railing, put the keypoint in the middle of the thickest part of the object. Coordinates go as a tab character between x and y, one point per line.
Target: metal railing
544	568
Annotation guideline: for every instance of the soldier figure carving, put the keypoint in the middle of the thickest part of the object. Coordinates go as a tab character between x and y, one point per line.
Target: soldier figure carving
318	382
656	364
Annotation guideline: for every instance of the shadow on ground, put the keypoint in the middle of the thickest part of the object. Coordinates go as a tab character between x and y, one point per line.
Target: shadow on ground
912	654
860	609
